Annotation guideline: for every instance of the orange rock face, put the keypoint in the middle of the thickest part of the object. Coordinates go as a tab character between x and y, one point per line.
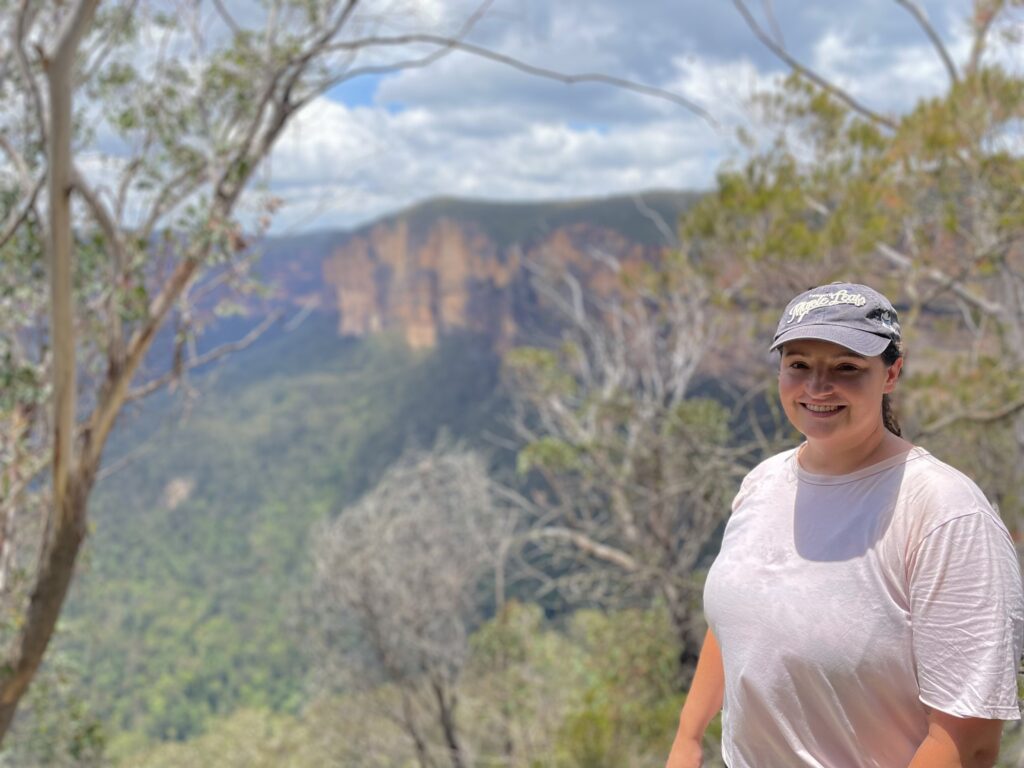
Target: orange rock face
448	276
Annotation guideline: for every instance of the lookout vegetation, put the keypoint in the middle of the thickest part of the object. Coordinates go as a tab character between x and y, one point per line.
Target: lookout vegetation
462	608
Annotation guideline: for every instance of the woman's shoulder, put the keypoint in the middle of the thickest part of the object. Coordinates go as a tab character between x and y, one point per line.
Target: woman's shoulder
931	478
937	492
779	467
783	461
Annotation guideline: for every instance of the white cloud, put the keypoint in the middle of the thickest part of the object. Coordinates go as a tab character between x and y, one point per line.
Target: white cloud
466	126
344	166
884	78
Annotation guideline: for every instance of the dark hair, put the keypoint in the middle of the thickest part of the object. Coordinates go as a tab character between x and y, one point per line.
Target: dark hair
890	355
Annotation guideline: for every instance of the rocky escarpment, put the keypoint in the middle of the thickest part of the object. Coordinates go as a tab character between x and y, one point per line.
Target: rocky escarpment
423	284
450	266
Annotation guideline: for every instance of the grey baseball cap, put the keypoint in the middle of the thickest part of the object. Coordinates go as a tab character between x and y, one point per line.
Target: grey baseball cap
851	315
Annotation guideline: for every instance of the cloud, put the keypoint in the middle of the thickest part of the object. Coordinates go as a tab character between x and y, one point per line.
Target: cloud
884	78
466	126
472	127
344	166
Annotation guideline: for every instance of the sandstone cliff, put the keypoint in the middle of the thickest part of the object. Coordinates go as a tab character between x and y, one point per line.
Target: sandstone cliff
450	266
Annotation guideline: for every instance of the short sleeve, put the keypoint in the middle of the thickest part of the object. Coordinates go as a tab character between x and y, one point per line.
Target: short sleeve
967	617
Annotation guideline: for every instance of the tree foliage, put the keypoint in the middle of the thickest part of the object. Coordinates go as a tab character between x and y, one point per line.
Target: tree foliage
402	580
532	694
632	470
924	203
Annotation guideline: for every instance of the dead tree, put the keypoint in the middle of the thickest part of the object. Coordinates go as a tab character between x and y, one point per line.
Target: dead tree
402	579
632	473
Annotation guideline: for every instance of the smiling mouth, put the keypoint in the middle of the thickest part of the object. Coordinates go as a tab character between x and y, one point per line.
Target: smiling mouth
822	408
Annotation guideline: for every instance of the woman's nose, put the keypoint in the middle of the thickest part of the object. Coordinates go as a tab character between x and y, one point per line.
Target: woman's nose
819	382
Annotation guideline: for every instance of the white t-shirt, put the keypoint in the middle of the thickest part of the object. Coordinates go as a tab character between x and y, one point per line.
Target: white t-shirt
845	604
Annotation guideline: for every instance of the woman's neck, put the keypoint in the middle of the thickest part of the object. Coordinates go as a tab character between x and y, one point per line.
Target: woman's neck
822	458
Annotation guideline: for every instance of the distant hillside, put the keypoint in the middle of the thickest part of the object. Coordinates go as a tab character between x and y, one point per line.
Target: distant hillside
190	600
634	217
450	265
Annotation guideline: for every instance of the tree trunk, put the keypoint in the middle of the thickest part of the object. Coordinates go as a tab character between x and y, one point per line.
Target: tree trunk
56	569
422	755
446	713
688	628
65	529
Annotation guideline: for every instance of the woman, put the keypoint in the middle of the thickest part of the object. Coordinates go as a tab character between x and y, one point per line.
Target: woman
866	606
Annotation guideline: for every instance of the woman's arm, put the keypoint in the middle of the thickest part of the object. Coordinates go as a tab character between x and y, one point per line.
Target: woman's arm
958	742
702	703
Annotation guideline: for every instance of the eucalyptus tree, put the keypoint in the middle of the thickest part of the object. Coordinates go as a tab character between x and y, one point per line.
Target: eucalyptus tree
923	200
146	123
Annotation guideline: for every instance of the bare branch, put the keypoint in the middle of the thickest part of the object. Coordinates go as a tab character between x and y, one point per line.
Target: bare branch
810	74
667	232
585	544
300	64
985	13
978	417
102	216
922	19
413	63
400	574
214	354
175	191
26	13
280	106
947	282
126	16
942	280
381	69
112	468
769	12
473	19
514	63
20	212
222	11
128	174
102	418
24	175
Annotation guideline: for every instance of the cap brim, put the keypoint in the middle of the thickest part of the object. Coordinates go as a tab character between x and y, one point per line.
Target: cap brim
854	339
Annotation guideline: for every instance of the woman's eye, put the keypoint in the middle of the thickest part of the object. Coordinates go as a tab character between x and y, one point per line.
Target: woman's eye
848	368
798	365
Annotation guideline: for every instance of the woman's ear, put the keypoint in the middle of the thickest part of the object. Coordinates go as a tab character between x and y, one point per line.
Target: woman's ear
892	373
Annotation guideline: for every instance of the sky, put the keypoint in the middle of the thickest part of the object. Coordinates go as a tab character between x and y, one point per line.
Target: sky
469	127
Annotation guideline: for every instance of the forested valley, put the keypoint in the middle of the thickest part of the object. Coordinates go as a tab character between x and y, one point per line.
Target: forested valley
441	490
332	549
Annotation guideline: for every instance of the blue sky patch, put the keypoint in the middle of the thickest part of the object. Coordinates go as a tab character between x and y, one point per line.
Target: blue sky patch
362	92
582	126
357	92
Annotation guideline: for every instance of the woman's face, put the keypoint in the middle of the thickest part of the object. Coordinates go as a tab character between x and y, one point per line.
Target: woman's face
831	394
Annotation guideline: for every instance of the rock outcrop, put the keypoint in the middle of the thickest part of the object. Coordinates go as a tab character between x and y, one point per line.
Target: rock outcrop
446	266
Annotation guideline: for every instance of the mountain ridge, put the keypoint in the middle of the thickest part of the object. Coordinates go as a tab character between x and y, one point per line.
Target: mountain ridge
449	264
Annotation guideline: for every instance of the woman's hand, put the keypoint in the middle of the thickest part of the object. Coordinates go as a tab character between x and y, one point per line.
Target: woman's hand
686	753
